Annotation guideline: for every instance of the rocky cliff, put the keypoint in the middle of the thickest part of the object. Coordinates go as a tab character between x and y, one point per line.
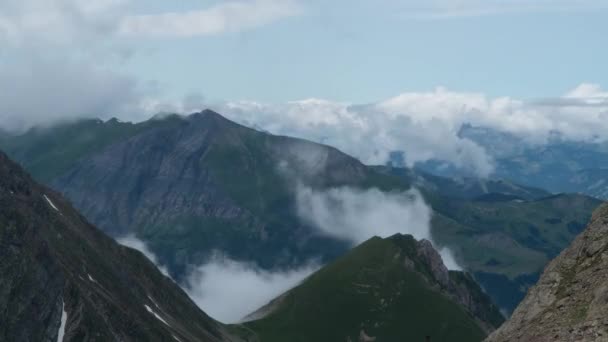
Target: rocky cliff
63	280
570	301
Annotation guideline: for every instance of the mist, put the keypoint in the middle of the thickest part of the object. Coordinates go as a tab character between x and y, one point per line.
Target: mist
229	290
357	215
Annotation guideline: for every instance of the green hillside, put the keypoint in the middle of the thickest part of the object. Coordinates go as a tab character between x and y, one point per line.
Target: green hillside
385	288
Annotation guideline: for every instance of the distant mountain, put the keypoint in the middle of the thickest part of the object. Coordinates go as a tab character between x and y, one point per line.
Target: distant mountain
193	185
394	289
556	165
63	280
464	187
570	301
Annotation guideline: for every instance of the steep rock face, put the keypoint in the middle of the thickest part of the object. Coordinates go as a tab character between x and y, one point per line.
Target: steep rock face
570	301
61	276
394	289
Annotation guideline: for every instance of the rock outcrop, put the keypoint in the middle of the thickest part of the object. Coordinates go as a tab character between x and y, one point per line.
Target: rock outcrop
570	301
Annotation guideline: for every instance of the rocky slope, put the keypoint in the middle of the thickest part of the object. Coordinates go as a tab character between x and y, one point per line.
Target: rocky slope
63	280
570	301
394	289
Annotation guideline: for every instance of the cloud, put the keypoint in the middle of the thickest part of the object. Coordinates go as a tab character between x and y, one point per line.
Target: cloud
442	9
427	125
133	242
357	215
58	21
228	290
227	16
41	91
369	133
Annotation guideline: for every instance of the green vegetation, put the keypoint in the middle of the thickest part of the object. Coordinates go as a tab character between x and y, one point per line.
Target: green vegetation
371	290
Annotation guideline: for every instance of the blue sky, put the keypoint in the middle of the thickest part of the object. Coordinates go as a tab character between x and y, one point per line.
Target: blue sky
304	68
369	51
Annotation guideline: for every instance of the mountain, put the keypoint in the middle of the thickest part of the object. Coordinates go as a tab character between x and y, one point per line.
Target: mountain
62	279
393	289
557	165
570	301
191	186
465	187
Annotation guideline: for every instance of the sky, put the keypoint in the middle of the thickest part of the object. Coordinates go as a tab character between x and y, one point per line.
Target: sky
285	50
368	77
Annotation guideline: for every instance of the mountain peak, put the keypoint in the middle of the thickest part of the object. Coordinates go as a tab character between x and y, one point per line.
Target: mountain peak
384	289
208	114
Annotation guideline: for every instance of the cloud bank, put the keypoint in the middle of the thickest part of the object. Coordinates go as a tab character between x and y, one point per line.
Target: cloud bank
358	215
427	125
229	290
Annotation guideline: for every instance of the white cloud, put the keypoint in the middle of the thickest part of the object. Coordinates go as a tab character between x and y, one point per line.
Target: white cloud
133	242
440	9
426	125
57	21
228	290
227	16
42	91
358	215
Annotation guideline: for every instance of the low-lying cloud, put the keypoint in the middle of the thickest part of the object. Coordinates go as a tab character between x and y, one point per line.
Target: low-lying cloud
228	290
357	215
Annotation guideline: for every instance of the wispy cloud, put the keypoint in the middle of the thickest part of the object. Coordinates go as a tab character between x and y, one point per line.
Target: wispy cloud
444	9
228	16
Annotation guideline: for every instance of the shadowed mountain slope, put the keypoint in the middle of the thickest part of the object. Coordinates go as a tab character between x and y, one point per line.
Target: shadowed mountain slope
61	276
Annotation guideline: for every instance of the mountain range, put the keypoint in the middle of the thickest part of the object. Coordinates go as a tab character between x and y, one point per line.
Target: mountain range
555	164
195	185
64	280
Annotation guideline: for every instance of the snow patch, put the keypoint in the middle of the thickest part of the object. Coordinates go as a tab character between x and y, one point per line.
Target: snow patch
50	203
92	279
153	301
64	320
156	315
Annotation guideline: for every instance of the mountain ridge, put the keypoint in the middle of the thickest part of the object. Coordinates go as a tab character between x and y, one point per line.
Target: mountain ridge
386	289
60	275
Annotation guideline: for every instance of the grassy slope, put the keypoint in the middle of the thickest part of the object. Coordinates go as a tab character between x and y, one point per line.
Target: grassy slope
367	289
49	152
